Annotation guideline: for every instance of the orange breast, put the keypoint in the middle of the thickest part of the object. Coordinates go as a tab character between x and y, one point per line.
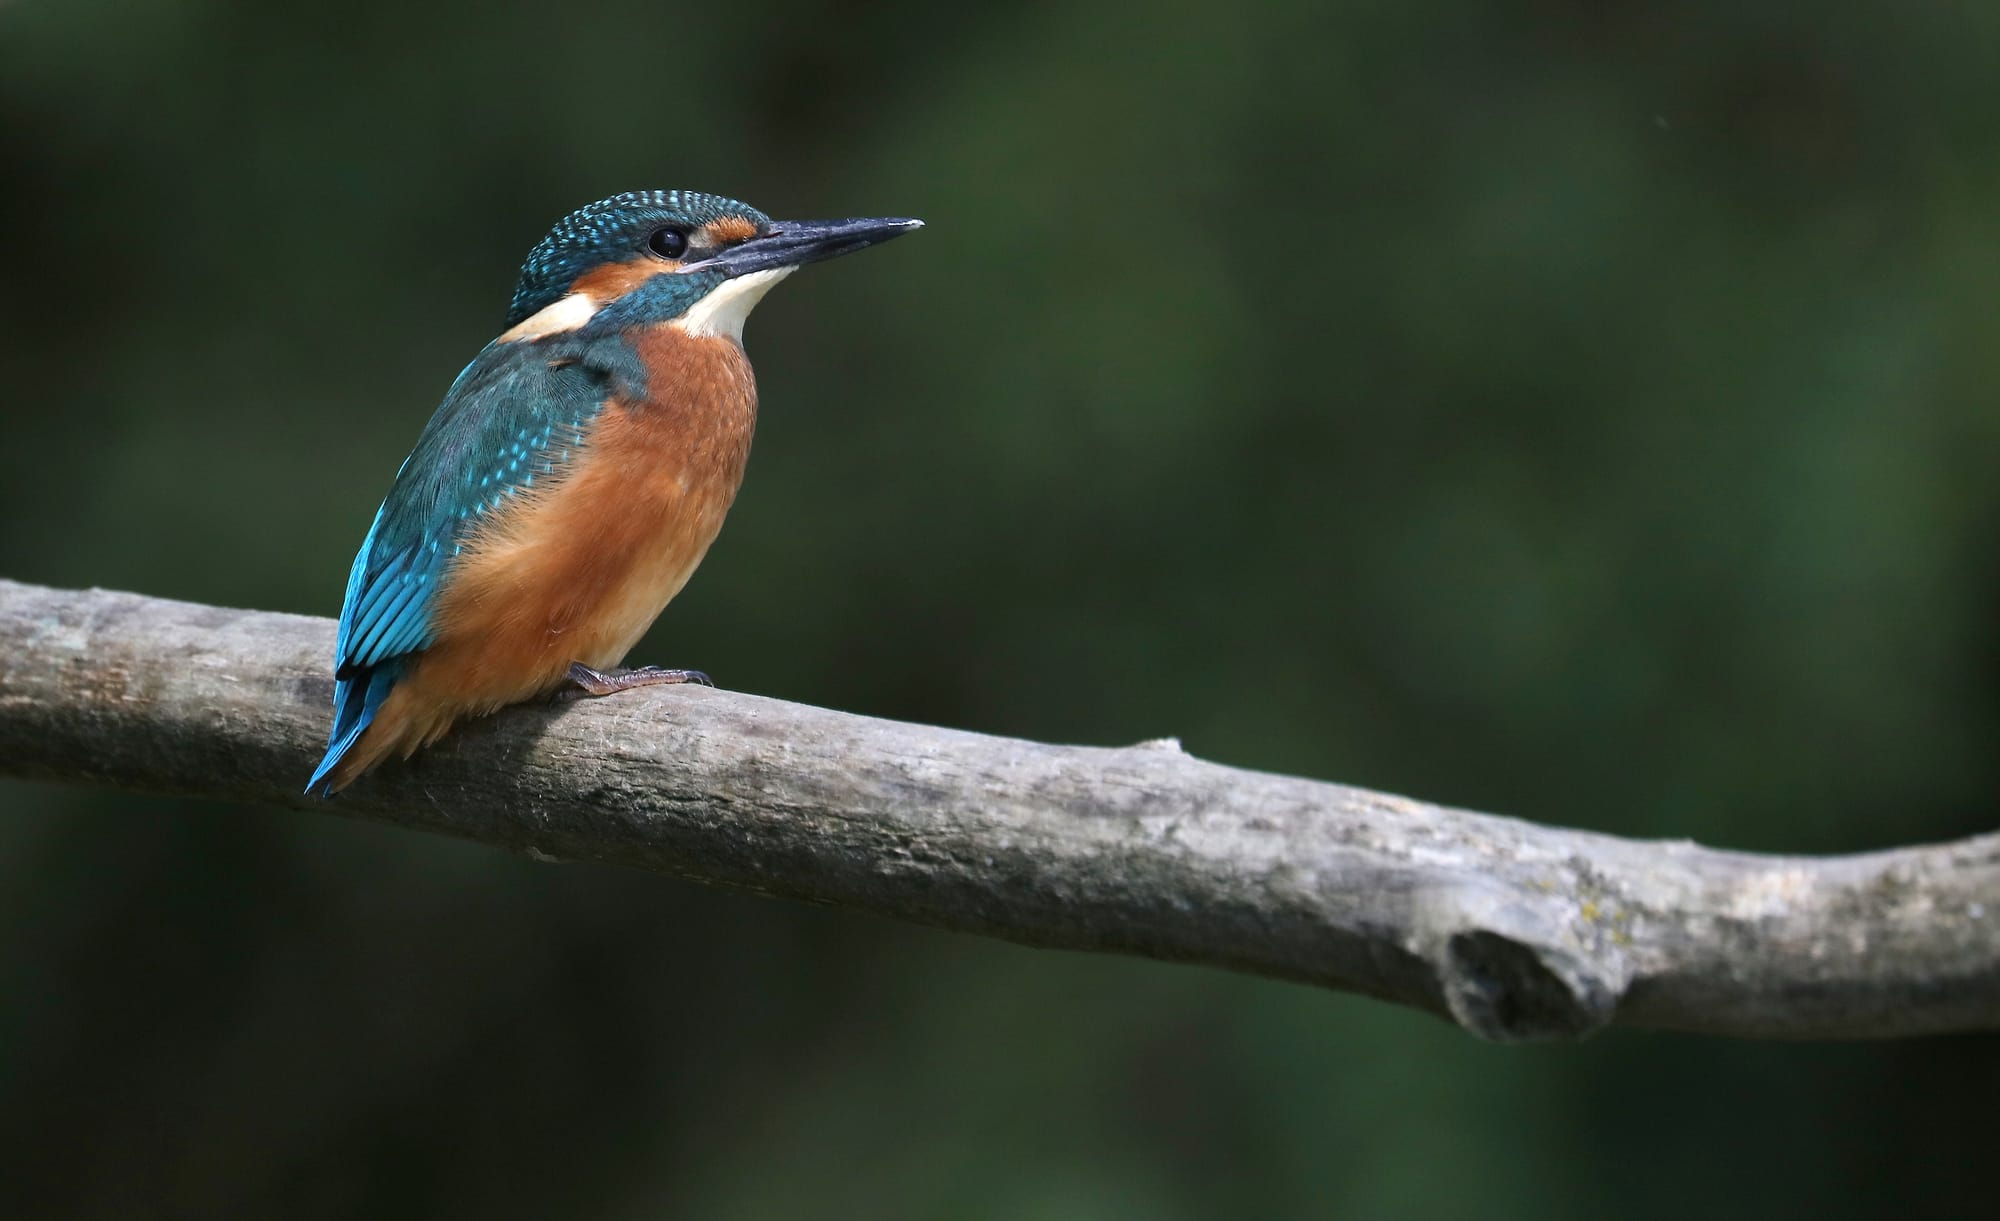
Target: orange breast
578	568
578	571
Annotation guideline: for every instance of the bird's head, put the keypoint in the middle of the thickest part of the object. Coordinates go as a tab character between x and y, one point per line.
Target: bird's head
649	257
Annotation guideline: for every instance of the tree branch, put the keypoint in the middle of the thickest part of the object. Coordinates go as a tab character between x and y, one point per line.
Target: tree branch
1512	930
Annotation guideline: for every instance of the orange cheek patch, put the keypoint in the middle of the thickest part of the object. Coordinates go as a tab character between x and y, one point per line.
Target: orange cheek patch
728	229
614	280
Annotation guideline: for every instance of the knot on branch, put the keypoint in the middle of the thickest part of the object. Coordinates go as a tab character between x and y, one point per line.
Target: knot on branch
1511	992
1515	971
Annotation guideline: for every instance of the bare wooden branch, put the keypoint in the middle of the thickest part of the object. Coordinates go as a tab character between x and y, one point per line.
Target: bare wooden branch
1512	930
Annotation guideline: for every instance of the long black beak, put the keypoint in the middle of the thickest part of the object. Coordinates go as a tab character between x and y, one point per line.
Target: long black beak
794	243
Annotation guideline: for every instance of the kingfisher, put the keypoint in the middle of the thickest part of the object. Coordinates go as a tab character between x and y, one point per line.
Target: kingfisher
574	476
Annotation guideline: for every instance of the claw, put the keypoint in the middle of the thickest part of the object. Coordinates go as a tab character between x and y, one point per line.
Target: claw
592	682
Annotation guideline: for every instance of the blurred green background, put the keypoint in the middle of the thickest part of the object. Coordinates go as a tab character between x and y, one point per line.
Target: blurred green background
1578	410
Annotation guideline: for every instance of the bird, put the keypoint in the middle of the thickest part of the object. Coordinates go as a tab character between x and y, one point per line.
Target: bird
573	477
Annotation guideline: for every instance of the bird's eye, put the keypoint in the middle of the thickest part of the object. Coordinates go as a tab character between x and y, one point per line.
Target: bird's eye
668	243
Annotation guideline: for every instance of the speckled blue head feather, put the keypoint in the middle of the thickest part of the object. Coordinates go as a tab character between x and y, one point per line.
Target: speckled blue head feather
611	230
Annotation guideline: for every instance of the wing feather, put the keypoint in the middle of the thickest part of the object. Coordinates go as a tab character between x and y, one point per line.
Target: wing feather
518	411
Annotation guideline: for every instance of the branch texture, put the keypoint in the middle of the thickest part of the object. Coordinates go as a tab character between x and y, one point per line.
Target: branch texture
1512	930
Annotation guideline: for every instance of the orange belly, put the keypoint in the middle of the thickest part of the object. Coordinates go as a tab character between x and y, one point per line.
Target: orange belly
578	569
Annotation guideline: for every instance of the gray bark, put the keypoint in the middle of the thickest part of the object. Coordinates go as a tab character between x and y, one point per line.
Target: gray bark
1512	930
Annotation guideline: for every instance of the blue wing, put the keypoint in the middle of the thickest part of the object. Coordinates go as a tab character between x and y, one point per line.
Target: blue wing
517	413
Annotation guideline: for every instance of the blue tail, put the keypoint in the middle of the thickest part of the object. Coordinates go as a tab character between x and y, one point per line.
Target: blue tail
355	701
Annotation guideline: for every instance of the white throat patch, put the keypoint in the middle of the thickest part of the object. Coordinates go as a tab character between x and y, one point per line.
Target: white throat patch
722	312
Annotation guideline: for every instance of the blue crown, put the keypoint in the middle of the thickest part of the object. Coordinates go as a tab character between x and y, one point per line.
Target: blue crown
608	231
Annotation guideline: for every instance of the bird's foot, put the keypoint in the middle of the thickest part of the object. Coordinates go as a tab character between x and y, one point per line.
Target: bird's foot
591	682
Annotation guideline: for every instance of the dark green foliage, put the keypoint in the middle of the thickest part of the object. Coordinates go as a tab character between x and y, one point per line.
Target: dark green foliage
1579	411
